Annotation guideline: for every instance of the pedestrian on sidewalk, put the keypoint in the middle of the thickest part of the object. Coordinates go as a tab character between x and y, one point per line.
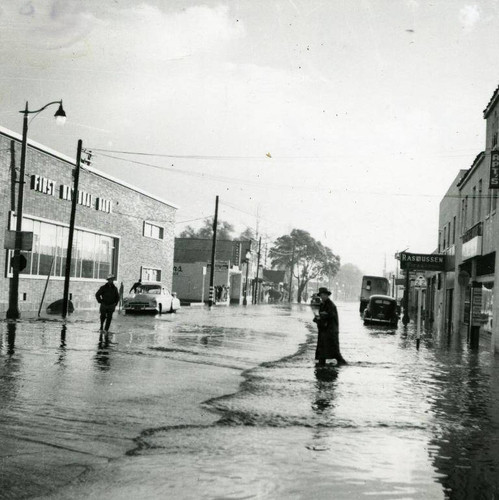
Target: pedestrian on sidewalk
328	342
108	297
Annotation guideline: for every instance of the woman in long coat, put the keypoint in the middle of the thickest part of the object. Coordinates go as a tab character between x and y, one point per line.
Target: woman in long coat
328	343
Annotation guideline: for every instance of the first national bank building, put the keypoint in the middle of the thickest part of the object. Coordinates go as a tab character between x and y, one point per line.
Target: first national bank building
119	228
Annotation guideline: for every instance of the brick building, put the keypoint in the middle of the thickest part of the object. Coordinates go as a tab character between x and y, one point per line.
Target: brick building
119	228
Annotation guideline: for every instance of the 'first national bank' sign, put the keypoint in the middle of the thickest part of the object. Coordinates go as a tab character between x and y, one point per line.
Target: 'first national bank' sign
422	261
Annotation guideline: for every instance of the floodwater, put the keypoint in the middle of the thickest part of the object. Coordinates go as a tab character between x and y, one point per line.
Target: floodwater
227	404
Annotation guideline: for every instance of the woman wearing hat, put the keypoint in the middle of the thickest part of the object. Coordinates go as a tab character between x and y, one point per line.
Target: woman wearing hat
108	297
328	343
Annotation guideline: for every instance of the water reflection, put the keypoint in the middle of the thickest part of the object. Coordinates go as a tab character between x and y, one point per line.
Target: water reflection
324	396
61	358
11	337
465	446
102	357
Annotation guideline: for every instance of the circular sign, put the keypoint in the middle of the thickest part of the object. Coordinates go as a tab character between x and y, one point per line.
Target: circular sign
420	281
19	261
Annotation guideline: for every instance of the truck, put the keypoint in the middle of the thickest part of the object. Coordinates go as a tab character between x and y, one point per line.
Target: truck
372	285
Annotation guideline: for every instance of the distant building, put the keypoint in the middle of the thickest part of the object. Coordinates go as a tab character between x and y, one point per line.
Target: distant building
120	229
191	271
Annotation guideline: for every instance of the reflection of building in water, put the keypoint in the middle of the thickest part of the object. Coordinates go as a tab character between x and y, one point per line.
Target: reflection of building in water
468	235
465	449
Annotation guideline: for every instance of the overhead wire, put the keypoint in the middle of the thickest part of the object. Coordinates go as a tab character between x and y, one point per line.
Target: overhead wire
267	185
269	156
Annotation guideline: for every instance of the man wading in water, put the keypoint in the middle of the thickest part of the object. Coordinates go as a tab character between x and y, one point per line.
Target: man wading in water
108	297
328	343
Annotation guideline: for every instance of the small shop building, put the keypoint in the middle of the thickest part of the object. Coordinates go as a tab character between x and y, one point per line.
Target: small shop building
119	228
233	275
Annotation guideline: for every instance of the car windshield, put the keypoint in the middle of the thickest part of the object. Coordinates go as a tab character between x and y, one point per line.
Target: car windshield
156	289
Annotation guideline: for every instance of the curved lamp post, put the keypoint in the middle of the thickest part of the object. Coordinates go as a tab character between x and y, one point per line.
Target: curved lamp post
60	116
246	260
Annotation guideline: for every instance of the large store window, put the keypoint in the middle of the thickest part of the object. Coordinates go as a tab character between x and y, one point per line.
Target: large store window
94	255
487	305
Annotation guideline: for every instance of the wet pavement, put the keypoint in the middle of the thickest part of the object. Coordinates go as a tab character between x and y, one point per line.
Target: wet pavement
227	403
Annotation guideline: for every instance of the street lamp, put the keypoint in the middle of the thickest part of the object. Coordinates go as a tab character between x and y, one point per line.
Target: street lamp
247	259
60	116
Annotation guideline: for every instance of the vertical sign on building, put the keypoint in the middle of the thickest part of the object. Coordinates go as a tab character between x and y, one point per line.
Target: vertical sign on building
494	169
476	306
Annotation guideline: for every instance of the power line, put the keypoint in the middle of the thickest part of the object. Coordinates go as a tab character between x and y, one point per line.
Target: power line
268	185
449	154
265	157
192	220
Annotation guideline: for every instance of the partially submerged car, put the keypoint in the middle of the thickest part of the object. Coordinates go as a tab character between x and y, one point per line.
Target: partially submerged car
381	309
151	297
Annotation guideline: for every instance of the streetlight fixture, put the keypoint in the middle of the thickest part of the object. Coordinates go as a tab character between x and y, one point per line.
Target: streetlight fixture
60	116
247	260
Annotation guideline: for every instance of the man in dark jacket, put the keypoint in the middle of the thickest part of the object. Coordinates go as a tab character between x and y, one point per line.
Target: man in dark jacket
328	343
136	286
108	297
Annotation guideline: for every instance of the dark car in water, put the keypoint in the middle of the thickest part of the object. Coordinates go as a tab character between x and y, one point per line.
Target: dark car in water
381	309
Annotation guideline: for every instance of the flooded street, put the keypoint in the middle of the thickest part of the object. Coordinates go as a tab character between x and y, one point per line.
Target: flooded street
227	403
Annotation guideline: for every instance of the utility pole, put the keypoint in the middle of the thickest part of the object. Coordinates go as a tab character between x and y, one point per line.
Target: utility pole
257	271
291	273
13	311
18	261
74	202
405	318
211	300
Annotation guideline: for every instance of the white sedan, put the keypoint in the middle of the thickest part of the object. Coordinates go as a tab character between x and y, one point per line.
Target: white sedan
152	297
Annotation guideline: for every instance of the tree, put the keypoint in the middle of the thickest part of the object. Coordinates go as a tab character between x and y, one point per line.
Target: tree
349	280
312	260
247	234
224	231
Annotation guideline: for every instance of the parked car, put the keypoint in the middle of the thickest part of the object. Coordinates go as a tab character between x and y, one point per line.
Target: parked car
372	285
152	297
381	309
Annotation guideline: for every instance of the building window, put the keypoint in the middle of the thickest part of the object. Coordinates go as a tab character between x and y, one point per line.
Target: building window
465	213
462	216
454	231
153	231
150	274
495	128
444	244
479	201
473	205
94	255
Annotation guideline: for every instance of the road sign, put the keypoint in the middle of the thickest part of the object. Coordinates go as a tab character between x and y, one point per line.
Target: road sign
420	281
26	240
21	260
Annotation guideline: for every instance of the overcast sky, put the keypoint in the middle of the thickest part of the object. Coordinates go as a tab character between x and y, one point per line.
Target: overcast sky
368	109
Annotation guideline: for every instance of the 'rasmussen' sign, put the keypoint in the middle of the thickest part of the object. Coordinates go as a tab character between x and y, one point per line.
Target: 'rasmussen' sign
422	261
